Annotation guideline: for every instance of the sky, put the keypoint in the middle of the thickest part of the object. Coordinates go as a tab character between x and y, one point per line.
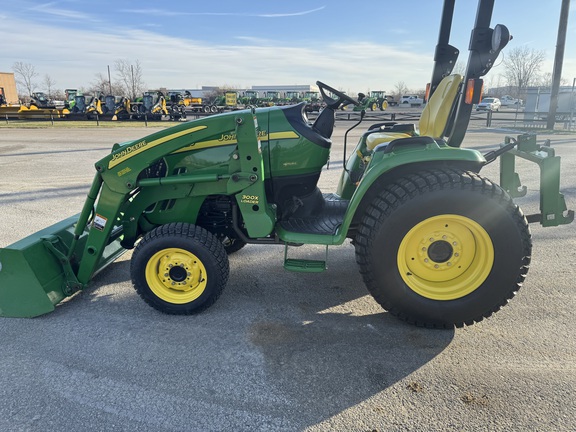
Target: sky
351	45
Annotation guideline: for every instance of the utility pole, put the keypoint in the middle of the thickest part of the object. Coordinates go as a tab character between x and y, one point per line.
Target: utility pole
109	80
558	60
133	84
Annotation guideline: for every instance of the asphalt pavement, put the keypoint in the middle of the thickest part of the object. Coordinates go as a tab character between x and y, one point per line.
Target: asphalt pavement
279	351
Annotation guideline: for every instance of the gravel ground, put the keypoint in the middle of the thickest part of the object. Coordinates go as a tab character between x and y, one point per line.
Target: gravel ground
279	351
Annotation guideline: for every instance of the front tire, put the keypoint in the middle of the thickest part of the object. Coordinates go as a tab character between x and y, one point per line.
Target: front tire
443	248
179	268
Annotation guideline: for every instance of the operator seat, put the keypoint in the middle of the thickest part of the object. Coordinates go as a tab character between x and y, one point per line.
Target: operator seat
434	119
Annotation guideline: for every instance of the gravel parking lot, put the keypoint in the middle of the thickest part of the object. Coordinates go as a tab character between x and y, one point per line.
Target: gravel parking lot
279	351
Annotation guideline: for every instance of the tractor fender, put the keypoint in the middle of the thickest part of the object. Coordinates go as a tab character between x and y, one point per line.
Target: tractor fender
385	166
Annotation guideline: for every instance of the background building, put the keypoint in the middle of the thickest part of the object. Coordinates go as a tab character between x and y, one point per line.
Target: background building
8	83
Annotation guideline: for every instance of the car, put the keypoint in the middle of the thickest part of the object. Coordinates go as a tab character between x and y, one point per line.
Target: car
489	104
411	100
508	100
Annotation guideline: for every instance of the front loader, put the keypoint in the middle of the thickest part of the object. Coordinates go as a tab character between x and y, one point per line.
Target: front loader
437	244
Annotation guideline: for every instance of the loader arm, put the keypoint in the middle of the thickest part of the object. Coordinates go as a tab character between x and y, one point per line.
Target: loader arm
119	173
40	270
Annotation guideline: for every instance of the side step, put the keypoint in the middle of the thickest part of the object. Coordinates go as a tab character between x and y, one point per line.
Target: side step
304	265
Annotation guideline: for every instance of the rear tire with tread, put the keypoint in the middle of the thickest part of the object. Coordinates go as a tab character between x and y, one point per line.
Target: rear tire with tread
443	248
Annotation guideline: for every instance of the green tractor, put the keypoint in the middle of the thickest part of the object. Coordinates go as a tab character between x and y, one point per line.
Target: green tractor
249	98
313	101
437	244
376	100
292	97
270	98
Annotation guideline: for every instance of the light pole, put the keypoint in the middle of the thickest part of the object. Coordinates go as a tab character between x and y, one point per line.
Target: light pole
558	60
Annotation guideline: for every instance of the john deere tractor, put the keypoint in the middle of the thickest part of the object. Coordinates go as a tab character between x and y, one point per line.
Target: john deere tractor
437	243
376	100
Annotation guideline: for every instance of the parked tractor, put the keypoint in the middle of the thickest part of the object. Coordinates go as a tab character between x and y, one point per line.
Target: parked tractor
123	109
313	101
40	107
249	98
437	243
292	97
41	100
270	98
70	98
176	106
94	107
152	107
375	101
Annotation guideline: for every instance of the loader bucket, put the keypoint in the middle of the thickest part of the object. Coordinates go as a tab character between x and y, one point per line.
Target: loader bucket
35	273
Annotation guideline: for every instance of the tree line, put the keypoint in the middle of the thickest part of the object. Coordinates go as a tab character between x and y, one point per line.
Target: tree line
128	80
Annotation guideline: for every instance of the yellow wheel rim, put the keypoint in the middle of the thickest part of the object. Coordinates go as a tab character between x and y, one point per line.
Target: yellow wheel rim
176	275
384	105
445	257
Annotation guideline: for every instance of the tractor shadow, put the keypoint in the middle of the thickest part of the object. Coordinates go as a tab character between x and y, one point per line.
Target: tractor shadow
318	343
326	344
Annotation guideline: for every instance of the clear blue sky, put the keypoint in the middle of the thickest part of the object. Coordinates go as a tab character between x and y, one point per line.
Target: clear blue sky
352	45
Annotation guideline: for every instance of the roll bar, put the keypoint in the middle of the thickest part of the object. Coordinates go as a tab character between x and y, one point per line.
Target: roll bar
485	46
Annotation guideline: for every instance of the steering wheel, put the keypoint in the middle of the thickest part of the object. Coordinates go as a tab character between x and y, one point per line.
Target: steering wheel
342	99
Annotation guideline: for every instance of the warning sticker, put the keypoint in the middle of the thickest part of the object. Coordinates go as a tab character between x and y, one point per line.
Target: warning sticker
99	222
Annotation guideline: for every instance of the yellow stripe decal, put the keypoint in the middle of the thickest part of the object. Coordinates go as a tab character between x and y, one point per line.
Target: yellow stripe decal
231	139
142	146
281	135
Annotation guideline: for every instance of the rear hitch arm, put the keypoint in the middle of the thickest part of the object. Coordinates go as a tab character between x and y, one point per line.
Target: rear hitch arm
553	210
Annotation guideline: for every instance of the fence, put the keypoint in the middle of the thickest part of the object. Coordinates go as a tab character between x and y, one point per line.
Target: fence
500	119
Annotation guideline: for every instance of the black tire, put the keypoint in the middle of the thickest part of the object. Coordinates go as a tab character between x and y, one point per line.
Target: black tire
179	268
443	248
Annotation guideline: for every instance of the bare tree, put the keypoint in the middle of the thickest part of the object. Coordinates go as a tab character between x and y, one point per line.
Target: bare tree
58	95
25	74
49	85
459	68
130	77
400	88
522	65
101	85
545	80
